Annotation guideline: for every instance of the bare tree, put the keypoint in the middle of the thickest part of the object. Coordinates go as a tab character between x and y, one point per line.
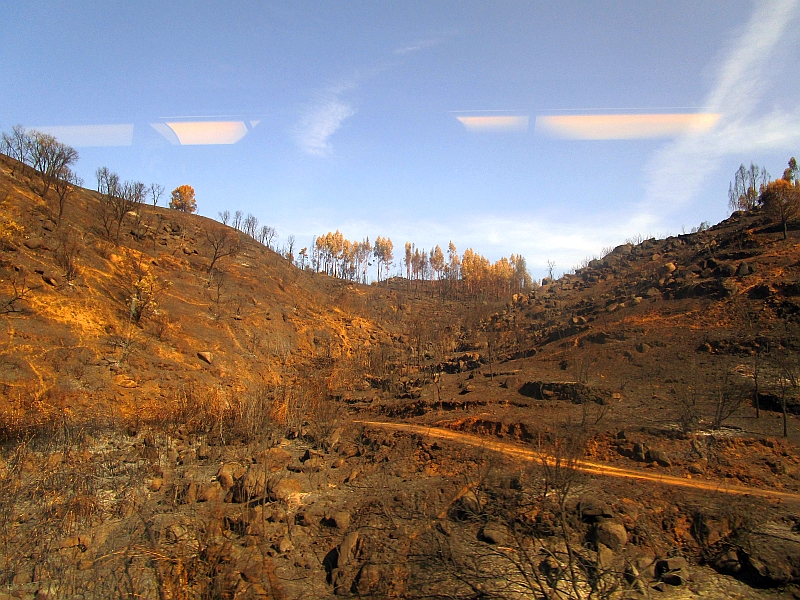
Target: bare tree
65	186
550	266
156	191
787	379
17	145
290	248
728	398
117	200
514	555
49	157
223	241
250	226
224	217
748	183
266	235
237	220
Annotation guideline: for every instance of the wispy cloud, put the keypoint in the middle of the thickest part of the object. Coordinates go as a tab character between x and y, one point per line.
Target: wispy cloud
321	119
417	46
677	172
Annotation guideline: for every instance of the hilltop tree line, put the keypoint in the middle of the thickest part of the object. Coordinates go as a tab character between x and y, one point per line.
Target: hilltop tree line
249	225
752	189
51	161
471	273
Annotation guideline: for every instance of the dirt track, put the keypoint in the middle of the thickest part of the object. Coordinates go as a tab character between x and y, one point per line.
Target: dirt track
581	465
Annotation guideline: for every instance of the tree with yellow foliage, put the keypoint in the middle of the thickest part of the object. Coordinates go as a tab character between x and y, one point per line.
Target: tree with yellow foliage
183	199
383	250
781	199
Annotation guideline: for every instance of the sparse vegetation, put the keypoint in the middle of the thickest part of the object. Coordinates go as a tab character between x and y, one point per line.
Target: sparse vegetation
191	418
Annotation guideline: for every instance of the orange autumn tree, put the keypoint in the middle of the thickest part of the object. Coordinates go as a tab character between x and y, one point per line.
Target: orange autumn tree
781	199
183	199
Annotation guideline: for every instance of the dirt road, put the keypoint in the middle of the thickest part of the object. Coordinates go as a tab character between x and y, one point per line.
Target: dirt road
581	465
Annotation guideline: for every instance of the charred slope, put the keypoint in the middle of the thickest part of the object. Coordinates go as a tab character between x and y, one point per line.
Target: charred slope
90	322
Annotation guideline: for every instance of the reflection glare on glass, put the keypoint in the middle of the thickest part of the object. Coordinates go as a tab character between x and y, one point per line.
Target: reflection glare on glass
489	124
196	133
624	127
90	135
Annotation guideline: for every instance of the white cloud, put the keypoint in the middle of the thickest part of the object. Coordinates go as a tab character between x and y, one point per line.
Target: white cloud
417	46
677	172
321	120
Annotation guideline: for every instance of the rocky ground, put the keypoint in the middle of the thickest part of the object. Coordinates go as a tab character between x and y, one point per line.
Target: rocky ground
267	432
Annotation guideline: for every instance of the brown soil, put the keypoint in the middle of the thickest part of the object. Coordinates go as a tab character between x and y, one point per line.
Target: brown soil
262	431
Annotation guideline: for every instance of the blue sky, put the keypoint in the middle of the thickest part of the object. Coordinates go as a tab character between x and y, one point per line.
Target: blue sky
345	115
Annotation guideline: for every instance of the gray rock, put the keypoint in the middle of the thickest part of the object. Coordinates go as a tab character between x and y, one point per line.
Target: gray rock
674	563
605	556
285	488
51	278
612	534
744	269
349	548
775	562
284	545
728	562
368	579
660	457
339	519
639	452
251	485
593	508
494	533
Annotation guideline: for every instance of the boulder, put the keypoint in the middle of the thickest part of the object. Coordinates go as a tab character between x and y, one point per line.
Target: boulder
285	489
339	519
51	278
666	270
368	579
725	270
640	452
728	562
673	571
496	534
612	534
660	457
228	474
275	459
251	485
776	562
206	357
284	545
209	492
605	557
349	548
591	509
